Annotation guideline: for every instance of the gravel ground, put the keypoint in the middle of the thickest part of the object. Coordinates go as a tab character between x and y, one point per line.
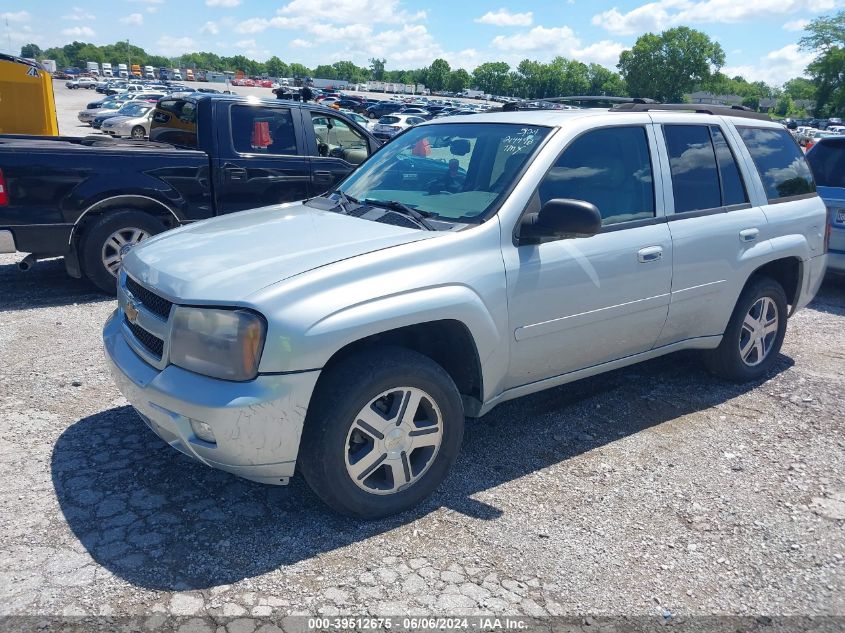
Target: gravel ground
656	490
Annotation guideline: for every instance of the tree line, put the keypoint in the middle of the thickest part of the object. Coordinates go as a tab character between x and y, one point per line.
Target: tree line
663	66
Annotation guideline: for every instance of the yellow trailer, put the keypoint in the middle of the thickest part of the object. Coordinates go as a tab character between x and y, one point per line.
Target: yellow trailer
27	105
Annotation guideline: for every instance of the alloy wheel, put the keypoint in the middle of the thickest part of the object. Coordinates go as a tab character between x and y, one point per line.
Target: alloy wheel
759	331
118	245
394	440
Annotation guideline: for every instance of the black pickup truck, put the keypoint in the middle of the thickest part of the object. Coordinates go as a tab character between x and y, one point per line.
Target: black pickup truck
90	200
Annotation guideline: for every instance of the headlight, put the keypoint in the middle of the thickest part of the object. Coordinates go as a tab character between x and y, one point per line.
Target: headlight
218	343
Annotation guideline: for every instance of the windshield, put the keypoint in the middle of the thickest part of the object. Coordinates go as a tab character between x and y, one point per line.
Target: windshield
456	171
135	109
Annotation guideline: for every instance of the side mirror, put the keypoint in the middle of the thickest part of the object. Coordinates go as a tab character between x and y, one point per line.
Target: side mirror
560	218
459	147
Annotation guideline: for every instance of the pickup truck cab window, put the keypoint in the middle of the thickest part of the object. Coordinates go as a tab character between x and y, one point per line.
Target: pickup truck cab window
258	130
335	138
779	161
609	167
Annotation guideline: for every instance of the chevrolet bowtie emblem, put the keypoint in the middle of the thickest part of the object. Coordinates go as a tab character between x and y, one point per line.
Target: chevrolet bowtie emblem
131	311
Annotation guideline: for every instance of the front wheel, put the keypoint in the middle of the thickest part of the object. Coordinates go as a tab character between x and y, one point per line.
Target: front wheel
383	429
109	239
754	334
138	132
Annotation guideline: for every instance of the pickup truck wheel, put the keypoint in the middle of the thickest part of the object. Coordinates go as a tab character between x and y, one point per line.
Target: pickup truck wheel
106	243
383	429
754	334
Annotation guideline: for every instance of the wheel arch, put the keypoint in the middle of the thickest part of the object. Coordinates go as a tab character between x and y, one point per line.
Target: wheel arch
132	201
788	271
447	342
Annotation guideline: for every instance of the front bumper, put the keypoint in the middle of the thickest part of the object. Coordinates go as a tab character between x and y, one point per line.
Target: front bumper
257	425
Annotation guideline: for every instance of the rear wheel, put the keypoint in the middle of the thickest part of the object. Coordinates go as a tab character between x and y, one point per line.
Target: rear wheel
754	334
109	239
383	429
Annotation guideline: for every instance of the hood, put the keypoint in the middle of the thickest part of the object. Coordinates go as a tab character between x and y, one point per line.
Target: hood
226	259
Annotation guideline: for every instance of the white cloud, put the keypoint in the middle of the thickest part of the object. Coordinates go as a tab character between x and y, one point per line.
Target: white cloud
79	14
135	19
172	46
79	31
537	39
19	16
226	4
605	52
152	9
503	17
775	67
148	2
300	43
211	28
656	16
796	25
246	44
351	11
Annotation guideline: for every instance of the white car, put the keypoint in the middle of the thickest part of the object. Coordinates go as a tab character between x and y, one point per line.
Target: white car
136	124
390	125
82	82
361	120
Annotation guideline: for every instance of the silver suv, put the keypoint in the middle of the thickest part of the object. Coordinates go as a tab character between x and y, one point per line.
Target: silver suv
470	261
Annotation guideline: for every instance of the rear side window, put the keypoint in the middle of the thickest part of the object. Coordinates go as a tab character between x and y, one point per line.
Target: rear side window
779	161
257	130
704	171
827	160
610	167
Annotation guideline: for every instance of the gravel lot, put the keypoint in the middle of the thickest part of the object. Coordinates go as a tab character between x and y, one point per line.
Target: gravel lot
654	491
651	491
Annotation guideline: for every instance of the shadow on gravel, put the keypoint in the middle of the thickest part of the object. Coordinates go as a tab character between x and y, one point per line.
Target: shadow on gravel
159	520
831	295
46	285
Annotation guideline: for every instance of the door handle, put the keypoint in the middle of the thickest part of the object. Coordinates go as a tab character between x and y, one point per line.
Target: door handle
748	235
323	176
235	174
650	254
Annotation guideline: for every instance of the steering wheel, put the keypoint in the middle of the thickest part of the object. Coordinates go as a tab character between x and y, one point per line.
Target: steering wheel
444	184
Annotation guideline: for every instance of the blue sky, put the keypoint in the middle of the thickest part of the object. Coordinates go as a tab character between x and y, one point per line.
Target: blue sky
759	36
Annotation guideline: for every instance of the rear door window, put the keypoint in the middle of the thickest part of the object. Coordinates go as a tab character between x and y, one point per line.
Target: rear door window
779	161
259	130
827	160
704	172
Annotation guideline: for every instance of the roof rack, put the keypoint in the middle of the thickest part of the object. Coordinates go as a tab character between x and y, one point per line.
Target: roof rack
700	108
594	101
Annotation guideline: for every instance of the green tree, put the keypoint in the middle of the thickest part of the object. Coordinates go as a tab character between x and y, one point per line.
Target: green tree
377	68
325	71
276	67
605	82
800	88
492	77
32	51
666	66
784	105
826	36
437	75
298	70
458	80
752	102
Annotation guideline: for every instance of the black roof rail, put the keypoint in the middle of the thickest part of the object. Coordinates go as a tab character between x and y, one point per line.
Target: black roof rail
700	108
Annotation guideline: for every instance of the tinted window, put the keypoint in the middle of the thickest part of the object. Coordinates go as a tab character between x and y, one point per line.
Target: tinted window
611	168
827	160
695	179
779	161
733	189
257	130
338	139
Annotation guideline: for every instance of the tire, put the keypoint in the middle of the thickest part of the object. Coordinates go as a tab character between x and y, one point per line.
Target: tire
95	251
138	132
335	447
764	298
372	115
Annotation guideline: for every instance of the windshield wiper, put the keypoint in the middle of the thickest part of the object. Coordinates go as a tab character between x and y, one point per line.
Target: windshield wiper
345	201
403	209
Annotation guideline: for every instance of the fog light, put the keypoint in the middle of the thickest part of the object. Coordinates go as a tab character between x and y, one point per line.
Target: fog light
203	431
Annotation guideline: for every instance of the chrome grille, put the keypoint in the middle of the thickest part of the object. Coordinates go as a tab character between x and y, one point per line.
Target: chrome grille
151	301
151	343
